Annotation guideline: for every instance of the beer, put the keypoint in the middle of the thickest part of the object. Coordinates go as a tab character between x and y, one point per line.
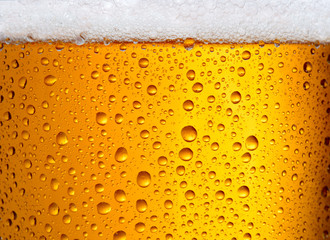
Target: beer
172	140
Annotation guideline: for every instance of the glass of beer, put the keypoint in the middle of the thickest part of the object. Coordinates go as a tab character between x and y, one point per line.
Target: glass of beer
177	139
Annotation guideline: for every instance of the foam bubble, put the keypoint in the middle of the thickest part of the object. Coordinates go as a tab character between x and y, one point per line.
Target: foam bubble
149	20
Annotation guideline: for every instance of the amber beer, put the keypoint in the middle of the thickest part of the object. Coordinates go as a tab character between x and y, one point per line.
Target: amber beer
164	141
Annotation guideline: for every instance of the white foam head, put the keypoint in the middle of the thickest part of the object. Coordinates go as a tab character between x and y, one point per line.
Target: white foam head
150	20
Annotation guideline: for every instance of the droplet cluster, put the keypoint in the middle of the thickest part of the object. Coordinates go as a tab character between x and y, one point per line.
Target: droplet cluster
164	141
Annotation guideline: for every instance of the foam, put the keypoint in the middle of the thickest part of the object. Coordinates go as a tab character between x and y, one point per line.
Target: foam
150	20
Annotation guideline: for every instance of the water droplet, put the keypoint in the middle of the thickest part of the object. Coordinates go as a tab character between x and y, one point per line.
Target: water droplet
143	62
141	205
119	118
27	163
246	157
197	87
241	71
152	90
121	154
188	105
220	195
237	146
120	235
44	61
235	97
22	82
189	133
140	227
306	85
101	118
103	208
143	179
190	195
324	83
247	236
95	74
32	220
112	78
50	80
294	177
162	161
246	55
30	109
264	119
66	219
54	183
191	75
307	67
168	204
180	170
99	188
61	139
243	192
53	209
120	195
251	143
186	154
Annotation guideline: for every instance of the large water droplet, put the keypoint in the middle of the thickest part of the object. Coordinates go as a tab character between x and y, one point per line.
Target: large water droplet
243	192
307	67
186	154
143	62
246	157
219	195
191	75
120	195
50	80
53	209
103	208
190	195
251	143
121	154
246	55
61	139
188	105
120	235
141	205
101	118
235	97
189	133
143	179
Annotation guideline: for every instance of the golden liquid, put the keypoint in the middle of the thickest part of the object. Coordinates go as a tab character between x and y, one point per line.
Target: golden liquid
164	141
